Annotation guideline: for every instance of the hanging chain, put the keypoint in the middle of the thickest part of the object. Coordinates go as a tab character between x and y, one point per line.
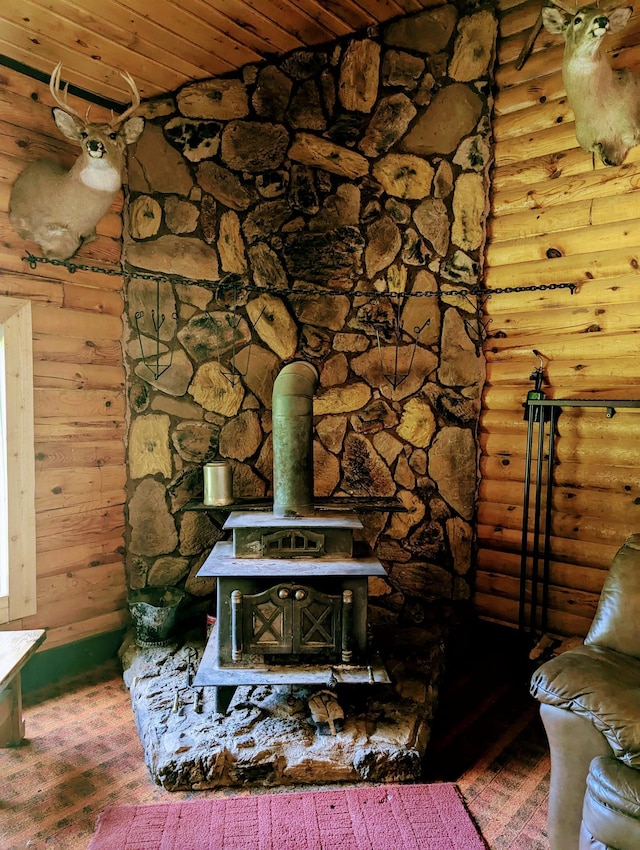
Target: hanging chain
232	281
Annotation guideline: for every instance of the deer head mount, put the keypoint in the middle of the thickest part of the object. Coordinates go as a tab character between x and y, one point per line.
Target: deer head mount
58	208
605	102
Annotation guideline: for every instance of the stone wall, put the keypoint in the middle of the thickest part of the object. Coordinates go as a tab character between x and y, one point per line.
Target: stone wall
322	184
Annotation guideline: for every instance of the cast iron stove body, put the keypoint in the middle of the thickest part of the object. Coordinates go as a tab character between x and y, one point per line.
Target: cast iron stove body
291	605
292	586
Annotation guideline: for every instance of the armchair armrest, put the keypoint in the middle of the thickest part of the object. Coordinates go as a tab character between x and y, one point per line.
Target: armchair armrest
601	685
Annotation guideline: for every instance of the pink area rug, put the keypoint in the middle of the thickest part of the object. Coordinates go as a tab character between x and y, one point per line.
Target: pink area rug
390	817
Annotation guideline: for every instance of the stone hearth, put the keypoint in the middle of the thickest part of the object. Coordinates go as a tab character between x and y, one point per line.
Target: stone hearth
267	737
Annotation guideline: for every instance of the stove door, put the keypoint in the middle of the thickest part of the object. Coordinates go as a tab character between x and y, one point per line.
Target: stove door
291	619
316	620
267	621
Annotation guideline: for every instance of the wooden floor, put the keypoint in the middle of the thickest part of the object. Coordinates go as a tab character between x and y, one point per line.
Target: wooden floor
484	691
83	753
488	737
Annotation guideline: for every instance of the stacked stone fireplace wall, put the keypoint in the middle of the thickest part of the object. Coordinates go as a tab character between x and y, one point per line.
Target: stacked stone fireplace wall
317	183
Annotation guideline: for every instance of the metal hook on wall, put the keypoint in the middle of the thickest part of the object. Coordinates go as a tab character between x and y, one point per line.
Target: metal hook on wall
232	373
478	330
153	361
396	377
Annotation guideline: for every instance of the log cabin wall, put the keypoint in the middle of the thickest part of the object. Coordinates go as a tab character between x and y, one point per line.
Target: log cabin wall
79	399
558	216
320	181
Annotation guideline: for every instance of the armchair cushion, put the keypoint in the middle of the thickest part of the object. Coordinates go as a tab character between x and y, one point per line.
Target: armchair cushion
615	624
611	809
615	786
601	685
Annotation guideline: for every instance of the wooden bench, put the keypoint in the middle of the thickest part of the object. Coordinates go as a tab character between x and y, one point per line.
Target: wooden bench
16	648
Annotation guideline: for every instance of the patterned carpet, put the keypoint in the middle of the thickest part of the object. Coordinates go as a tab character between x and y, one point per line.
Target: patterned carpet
83	754
507	789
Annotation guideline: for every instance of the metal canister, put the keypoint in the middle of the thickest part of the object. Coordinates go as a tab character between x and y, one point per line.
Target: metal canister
217	483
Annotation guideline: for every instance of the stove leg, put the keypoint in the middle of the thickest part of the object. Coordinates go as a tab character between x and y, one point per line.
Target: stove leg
347	626
222	696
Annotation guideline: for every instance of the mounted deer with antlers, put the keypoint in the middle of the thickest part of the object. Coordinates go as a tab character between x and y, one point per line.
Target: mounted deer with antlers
58	207
605	102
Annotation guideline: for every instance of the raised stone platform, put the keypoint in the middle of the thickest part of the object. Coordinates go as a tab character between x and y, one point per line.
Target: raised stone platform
268	736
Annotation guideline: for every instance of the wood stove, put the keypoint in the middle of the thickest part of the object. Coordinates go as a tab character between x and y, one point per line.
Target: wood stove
292	584
293	613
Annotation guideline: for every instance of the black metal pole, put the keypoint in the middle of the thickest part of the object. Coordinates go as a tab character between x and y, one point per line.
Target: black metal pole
535	553
525	520
547	521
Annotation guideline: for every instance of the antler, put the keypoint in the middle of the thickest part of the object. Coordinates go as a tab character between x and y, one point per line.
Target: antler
135	103
54	88
562	7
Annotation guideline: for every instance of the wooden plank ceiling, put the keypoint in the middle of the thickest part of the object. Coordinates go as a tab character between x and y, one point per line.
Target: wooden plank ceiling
167	43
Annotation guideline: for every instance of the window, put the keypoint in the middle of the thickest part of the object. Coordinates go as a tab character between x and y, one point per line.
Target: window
17	473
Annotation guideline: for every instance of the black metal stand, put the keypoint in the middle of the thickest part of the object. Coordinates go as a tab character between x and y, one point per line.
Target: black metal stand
542	413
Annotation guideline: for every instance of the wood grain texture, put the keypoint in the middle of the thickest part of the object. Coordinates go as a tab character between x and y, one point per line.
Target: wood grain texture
557	216
79	404
168	43
16	647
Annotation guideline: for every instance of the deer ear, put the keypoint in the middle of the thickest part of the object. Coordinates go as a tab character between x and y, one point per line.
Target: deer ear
619	18
69	125
554	20
132	129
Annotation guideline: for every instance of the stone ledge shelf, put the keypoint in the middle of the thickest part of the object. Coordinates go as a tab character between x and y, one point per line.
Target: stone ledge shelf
356	504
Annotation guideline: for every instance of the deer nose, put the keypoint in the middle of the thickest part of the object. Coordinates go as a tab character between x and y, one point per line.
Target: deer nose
601	22
95	148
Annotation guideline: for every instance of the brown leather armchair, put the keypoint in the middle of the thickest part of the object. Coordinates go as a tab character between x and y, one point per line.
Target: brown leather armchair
590	709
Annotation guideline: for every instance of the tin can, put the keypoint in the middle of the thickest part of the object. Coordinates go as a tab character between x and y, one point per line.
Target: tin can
217	483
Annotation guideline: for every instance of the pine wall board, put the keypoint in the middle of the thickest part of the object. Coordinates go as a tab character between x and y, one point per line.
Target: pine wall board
79	399
558	217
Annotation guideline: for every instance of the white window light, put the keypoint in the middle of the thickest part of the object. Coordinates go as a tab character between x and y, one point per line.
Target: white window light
17	473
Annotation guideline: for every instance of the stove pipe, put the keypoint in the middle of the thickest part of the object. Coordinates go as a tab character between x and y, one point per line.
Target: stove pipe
292	413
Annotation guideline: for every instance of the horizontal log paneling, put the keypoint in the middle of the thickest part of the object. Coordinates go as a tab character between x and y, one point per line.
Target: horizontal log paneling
68	455
69	526
622	480
500	609
66	403
597	555
75	376
580	604
71	558
566	526
575	423
13	263
93	625
560	137
610	452
75	323
557	216
82	429
571	216
595	183
593	265
73	350
535	170
562	574
79	401
595	504
67	487
563	243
